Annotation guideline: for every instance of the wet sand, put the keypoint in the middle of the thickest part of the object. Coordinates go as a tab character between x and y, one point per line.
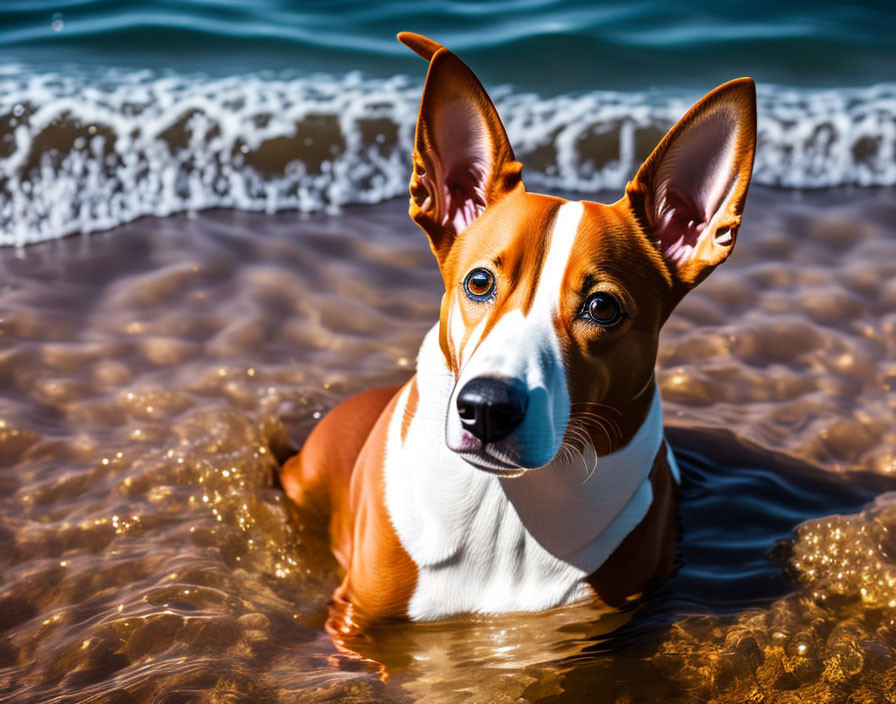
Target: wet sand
154	375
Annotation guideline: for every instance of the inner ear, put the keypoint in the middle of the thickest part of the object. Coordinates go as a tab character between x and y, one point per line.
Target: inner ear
693	181
465	162
690	192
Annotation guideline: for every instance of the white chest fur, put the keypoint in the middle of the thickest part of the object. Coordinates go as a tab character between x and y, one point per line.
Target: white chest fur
485	544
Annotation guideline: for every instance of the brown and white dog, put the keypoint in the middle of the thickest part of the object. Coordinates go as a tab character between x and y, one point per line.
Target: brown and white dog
524	465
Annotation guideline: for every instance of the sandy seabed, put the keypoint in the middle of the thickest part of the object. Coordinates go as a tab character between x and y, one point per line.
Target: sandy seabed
154	375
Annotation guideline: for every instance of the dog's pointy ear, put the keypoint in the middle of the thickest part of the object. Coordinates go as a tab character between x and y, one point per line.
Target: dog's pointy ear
424	47
690	192
463	161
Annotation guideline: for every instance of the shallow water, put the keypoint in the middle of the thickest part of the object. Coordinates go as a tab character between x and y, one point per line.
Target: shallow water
86	149
154	375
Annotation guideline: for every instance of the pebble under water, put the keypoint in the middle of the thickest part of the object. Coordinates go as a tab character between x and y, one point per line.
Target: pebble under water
153	377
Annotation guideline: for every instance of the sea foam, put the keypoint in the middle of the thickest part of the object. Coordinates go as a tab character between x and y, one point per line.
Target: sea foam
87	150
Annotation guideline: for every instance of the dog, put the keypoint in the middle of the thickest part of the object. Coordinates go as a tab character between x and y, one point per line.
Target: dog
524	466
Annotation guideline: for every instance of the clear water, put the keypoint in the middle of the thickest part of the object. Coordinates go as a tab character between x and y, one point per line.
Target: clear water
154	375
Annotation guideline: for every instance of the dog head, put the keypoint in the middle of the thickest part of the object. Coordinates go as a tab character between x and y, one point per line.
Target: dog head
552	308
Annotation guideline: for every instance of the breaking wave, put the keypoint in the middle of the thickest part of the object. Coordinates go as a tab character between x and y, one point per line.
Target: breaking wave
83	151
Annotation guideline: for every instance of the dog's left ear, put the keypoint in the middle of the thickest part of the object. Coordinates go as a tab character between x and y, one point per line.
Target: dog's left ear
463	161
424	47
690	192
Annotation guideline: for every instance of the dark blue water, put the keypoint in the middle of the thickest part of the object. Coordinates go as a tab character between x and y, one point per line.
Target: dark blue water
736	502
551	46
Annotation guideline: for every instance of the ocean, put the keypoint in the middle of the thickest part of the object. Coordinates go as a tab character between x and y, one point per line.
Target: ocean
111	111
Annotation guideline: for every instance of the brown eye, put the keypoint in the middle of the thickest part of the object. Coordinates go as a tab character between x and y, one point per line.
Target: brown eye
479	284
602	309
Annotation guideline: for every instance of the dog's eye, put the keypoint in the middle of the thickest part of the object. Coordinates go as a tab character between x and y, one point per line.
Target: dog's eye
602	309
479	284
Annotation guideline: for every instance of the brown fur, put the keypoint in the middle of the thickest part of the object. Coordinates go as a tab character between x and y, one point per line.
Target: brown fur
340	468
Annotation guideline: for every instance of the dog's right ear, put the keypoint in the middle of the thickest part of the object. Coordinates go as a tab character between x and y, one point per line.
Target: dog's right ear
463	161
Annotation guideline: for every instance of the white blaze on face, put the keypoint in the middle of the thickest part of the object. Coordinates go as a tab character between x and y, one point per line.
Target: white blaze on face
526	348
552	272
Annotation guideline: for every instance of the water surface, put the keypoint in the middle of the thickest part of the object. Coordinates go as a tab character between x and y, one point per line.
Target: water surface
155	374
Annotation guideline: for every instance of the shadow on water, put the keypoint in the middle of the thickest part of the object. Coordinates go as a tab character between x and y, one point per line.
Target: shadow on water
738	507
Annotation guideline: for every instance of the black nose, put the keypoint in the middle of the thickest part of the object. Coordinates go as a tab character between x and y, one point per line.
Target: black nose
491	408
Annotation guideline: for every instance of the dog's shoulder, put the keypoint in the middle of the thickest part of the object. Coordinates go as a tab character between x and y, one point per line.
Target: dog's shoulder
318	479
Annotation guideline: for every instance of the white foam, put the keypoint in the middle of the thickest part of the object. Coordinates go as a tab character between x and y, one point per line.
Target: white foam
86	151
